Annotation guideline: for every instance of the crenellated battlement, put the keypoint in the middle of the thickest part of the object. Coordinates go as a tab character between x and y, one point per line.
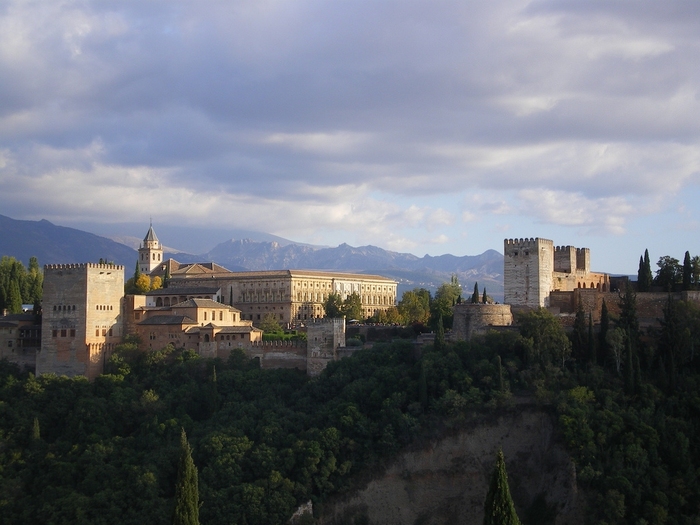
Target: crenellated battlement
78	266
564	248
278	344
522	243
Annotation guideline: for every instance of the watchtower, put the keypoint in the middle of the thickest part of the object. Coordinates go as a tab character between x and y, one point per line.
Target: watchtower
528	271
82	318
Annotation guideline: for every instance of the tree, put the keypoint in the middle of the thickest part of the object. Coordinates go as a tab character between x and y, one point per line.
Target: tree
142	284
270	325
14	298
670	273
352	307
414	306
591	341
549	341
333	305
156	283
439	342
644	278
484	297
445	298
475	295
602	336
687	271
578	336
695	263
187	489
498	507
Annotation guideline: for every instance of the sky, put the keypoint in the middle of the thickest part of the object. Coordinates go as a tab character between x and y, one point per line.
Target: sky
429	127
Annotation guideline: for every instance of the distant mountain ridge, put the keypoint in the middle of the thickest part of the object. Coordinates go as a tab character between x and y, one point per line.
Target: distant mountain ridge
59	244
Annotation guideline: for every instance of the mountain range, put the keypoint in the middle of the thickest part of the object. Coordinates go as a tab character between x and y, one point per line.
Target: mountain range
59	244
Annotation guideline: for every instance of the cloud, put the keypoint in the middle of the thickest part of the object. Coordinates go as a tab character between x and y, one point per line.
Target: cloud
341	120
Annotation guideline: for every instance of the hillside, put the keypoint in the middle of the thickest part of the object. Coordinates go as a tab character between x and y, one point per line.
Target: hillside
53	244
57	244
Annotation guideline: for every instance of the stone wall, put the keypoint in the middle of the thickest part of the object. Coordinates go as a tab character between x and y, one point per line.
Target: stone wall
471	319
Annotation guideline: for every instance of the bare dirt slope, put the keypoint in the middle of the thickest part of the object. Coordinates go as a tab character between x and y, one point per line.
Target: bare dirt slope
446	482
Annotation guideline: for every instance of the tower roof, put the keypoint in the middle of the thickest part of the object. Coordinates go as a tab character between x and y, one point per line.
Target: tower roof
151	235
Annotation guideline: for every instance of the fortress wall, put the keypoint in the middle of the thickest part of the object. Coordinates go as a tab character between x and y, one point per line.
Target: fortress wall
471	319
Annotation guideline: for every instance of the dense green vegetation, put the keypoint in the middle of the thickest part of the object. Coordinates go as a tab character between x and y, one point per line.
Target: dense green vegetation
627	403
19	285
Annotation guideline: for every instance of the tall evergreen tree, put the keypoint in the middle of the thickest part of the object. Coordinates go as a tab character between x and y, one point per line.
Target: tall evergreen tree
14	298
640	275
498	507
687	271
475	295
439	344
484	297
602	336
591	341
578	336
187	487
137	272
648	277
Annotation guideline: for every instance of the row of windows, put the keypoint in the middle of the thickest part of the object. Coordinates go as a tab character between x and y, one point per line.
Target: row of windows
213	315
104	307
144	256
63	307
104	332
63	333
221	337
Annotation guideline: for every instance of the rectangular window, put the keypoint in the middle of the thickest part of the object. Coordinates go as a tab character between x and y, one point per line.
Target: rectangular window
110	332
72	332
137	315
104	332
63	333
54	333
97	332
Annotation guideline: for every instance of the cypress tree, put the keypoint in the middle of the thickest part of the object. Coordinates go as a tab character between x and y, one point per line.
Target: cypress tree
501	383
602	336
484	296
648	277
186	490
475	295
439	343
687	271
629	366
14	298
423	387
591	342
137	272
498	507
640	275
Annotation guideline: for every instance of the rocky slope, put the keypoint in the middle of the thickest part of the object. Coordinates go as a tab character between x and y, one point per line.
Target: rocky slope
446	482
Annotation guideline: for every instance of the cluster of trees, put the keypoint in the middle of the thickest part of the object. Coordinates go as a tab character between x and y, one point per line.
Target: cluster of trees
141	283
671	274
420	308
350	308
20	285
626	401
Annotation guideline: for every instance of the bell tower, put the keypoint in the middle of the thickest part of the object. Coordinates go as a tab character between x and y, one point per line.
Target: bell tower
150	252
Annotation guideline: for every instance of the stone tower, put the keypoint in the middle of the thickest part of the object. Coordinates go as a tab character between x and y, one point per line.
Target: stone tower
150	252
82	318
528	271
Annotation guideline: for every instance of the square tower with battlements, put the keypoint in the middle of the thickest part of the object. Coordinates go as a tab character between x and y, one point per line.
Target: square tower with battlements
527	271
82	318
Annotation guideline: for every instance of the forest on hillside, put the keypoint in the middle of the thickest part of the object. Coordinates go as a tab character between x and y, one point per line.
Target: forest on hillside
264	441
